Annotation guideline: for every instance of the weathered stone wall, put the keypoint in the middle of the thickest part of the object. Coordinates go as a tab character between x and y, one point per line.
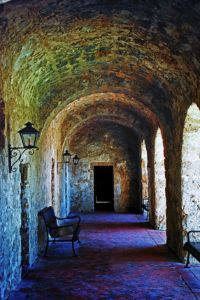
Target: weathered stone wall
10	218
50	168
10	221
36	193
12	198
10	246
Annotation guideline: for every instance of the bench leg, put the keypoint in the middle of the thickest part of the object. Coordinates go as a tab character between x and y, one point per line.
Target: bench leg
73	248
46	248
188	260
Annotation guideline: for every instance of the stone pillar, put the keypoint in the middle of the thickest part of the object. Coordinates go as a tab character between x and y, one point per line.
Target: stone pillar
24	230
151	175
53	182
173	191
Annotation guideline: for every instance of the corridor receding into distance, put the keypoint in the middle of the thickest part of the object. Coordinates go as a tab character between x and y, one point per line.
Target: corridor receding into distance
99	118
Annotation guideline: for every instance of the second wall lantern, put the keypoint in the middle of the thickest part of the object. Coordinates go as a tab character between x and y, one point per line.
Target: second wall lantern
67	158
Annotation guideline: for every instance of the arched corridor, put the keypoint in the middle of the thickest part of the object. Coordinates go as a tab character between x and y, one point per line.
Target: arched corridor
120	257
115	84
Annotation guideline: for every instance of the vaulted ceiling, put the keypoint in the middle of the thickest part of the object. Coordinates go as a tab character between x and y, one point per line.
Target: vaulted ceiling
134	62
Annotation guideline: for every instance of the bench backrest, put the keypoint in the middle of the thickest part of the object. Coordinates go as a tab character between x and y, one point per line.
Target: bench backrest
49	216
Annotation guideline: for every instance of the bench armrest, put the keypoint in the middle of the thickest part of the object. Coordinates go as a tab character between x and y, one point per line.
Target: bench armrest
191	231
62	226
74	217
70	217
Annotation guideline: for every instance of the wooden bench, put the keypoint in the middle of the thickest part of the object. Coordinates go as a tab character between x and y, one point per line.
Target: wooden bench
55	232
191	247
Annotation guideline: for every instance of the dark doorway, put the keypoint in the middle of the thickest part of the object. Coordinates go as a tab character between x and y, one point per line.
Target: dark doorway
103	188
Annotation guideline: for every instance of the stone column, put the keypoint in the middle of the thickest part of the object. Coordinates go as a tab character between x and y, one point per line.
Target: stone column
173	191
24	230
151	176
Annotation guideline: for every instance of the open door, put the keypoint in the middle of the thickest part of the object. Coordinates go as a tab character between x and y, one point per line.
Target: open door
103	188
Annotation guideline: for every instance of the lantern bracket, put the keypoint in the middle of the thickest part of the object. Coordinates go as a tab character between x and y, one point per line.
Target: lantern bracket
16	154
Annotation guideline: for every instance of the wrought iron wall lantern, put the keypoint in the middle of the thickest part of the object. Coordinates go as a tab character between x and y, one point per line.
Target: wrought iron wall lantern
29	137
67	158
76	160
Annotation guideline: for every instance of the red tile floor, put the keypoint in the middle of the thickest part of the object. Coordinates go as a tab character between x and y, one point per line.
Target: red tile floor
120	258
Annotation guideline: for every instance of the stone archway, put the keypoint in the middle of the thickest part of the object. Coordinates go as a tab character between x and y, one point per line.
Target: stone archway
106	114
160	183
190	170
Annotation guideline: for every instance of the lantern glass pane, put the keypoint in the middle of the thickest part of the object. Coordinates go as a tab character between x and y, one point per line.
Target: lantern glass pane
28	140
29	136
